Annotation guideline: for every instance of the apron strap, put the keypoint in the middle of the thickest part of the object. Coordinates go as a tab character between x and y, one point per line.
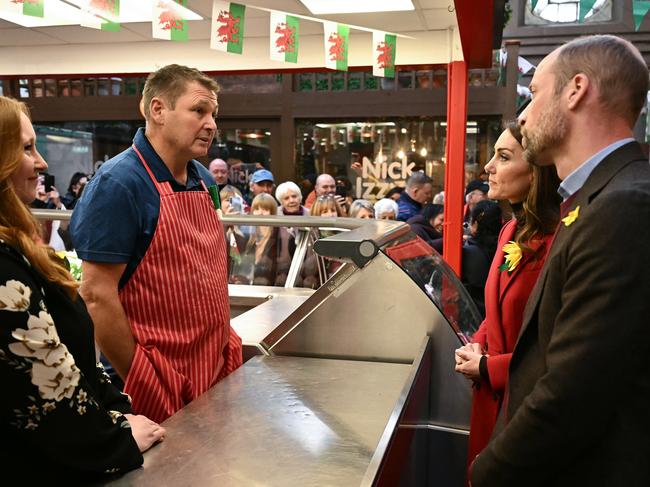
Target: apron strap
162	188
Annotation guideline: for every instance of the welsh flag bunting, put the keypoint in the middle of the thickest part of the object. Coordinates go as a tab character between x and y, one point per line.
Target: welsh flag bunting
384	47
640	10
337	39
34	8
585	7
227	31
284	34
101	14
167	22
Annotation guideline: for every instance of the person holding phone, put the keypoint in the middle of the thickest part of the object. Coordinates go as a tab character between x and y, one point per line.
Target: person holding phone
77	183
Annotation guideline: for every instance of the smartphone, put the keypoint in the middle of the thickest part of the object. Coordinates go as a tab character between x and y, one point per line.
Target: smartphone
48	182
237	204
341	191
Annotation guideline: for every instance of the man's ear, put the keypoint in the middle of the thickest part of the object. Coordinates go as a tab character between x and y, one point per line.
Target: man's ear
577	90
157	110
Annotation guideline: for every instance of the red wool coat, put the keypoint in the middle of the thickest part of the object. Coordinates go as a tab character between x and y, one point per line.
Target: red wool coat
505	300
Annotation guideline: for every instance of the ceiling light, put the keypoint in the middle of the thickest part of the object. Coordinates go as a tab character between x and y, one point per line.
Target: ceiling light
320	7
55	12
423	152
130	10
400	154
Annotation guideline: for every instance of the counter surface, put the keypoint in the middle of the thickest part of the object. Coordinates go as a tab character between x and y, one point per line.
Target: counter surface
278	421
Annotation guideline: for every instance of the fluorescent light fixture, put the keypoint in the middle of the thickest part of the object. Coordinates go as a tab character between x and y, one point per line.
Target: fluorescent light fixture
55	12
320	7
61	139
141	10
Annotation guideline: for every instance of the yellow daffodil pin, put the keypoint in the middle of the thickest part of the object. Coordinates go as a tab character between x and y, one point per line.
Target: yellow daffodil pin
571	216
512	256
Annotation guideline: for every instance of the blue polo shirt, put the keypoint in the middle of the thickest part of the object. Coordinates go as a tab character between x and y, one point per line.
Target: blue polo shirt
116	217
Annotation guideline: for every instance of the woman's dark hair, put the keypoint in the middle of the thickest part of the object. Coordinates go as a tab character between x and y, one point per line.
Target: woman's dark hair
394	190
541	209
487	215
76	177
430	211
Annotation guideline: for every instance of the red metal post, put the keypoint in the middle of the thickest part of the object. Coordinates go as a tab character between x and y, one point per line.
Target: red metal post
455	163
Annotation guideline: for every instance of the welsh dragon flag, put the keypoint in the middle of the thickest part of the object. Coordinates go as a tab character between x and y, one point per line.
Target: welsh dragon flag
337	39
167	21
384	48
284	34
640	11
101	14
34	8
227	31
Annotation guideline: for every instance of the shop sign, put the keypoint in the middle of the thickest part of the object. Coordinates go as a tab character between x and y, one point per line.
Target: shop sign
378	177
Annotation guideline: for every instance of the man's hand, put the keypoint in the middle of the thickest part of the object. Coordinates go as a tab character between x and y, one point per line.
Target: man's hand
40	191
55	198
146	433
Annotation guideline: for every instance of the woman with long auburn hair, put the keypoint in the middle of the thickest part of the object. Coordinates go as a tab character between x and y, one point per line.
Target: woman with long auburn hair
521	250
62	418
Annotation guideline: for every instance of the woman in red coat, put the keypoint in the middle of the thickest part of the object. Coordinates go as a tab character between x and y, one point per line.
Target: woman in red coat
523	244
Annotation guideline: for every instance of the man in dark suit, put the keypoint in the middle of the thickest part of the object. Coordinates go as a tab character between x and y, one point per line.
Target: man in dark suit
578	404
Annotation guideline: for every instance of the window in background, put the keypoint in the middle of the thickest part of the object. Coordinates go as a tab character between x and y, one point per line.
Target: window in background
245	151
566	12
388	150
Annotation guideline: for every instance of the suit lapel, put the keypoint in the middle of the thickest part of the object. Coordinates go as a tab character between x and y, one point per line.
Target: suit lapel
600	176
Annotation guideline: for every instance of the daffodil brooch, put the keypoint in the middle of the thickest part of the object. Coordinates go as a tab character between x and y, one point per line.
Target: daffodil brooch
512	257
571	216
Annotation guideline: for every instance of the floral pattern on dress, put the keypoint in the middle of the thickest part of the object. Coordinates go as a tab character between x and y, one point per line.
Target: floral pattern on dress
14	296
51	367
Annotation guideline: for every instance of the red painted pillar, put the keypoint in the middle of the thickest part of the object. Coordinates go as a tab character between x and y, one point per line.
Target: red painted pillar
455	163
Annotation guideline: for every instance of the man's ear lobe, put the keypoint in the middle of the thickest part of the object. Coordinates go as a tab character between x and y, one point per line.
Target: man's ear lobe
577	90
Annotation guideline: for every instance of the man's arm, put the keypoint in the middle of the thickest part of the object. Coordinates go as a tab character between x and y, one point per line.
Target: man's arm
99	289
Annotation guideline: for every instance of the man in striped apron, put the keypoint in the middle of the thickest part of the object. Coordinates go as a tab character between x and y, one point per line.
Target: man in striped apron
155	275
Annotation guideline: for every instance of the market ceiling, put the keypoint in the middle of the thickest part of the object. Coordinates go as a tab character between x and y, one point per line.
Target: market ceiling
432	35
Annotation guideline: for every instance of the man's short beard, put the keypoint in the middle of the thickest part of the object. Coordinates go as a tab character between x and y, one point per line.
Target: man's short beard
550	132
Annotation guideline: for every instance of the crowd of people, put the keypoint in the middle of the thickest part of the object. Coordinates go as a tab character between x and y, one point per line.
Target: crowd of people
553	404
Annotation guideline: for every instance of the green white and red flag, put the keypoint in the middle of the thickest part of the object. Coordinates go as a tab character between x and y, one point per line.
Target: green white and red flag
101	14
284	37
34	8
384	49
337	40
640	10
168	21
227	31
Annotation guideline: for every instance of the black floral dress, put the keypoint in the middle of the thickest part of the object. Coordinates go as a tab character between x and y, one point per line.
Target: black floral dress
62	419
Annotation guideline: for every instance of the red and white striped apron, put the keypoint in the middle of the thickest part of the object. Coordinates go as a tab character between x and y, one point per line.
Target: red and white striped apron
177	304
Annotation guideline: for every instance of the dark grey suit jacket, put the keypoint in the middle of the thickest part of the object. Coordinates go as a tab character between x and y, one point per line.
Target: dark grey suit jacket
578	405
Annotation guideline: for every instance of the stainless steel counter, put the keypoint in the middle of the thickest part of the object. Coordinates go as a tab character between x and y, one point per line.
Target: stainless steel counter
279	421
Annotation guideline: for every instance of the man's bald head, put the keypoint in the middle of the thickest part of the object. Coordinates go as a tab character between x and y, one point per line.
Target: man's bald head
612	64
325	185
219	170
